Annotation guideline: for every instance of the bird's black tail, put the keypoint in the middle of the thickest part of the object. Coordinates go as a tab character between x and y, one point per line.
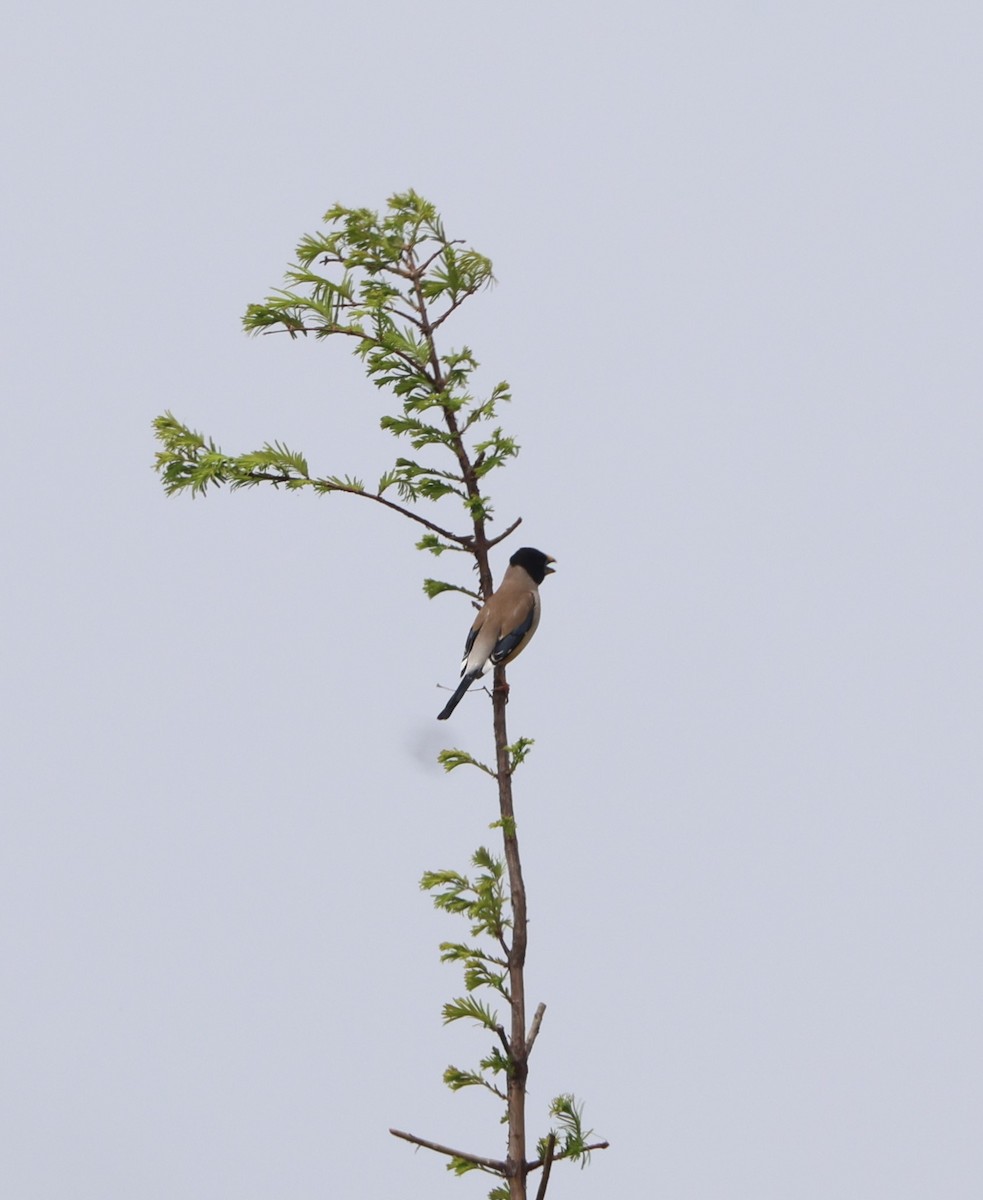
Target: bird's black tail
455	700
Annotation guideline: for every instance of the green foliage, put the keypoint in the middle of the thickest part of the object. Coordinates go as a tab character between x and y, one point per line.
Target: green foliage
571	1137
456	1079
436	587
187	460
470	1008
459	952
482	900
461	1166
495	1062
478	970
451	759
388	281
431	542
519	752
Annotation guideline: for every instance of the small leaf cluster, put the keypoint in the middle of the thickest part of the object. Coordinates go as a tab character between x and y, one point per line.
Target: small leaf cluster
483	901
570	1140
450	760
189	460
518	752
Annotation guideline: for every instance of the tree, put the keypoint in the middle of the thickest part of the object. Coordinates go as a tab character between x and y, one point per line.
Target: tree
390	283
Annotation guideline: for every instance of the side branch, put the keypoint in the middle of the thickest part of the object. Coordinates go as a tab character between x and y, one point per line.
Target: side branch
444	245
543	1162
436	324
502	536
325	486
547	1165
327	329
537	1020
490	1164
406	512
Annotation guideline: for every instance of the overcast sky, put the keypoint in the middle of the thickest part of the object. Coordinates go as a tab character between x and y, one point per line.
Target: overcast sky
740	272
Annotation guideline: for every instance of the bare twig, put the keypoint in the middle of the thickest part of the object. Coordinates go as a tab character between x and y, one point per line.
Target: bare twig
324	485
305	329
490	1164
437	253
537	1020
567	1154
547	1163
434	325
408	317
508	532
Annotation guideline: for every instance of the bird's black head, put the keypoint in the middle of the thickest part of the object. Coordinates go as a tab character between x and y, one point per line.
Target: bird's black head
534	562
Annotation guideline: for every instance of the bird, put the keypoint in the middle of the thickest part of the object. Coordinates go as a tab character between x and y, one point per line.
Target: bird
506	621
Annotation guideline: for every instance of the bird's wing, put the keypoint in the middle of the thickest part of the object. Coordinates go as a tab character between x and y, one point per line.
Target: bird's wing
472	634
517	623
471	656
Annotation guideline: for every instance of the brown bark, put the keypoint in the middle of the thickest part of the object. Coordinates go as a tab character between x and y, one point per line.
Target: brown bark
515	1162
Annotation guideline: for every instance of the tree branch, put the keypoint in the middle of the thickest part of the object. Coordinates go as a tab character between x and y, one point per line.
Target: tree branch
462	541
324	485
535	1166
329	328
502	536
438	252
408	317
435	325
490	1164
547	1163
317	329
436	378
537	1020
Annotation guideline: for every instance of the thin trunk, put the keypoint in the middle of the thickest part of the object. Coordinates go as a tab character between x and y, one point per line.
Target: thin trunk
516	1158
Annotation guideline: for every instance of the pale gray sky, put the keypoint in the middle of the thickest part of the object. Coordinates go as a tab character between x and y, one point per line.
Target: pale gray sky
740	281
